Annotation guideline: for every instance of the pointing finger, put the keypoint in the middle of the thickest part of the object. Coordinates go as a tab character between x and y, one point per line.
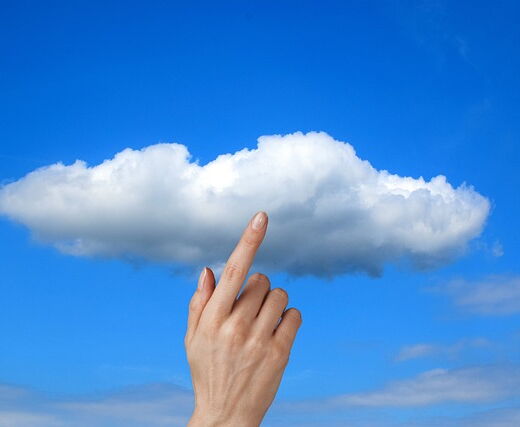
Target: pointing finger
238	264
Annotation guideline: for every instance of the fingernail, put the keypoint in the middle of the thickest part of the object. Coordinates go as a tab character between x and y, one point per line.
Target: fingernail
202	279
259	220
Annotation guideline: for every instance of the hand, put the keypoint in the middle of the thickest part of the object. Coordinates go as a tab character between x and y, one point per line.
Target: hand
237	348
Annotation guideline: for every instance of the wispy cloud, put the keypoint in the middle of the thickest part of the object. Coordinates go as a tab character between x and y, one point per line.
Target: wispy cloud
27	419
499	417
507	416
148	405
169	405
492	295
475	384
330	211
448	350
497	249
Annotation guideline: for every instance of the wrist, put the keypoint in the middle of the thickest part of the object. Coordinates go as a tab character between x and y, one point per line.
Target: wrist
207	418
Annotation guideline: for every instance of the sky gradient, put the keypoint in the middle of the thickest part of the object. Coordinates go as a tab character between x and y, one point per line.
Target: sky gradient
418	89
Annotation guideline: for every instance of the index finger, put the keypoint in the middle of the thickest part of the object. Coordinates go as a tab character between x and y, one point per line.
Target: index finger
239	262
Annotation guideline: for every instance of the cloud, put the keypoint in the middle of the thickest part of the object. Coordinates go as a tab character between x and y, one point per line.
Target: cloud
493	295
475	384
441	385
147	405
330	211
165	404
429	349
499	417
22	419
496	417
497	249
414	351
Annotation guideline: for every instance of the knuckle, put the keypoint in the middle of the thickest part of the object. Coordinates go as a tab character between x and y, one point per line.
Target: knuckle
233	335
251	241
194	304
294	314
226	331
260	278
280	294
280	352
238	339
256	345
232	270
238	324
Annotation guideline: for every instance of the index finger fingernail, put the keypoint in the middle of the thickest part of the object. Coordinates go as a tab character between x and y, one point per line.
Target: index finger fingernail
259	220
202	279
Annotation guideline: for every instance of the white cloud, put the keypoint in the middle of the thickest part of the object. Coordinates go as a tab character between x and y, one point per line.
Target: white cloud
431	349
24	419
497	417
439	386
477	384
493	295
147	405
155	405
416	350
330	211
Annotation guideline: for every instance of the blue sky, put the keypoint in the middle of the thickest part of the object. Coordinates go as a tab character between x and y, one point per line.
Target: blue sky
419	89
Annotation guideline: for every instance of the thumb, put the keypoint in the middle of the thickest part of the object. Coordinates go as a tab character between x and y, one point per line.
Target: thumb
205	288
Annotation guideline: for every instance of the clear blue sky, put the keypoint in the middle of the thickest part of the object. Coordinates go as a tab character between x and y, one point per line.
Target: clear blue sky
418	88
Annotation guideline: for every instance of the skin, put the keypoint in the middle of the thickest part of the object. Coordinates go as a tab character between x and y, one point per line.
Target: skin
238	346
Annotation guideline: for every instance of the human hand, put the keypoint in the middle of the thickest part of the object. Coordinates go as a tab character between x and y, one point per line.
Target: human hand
237	348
